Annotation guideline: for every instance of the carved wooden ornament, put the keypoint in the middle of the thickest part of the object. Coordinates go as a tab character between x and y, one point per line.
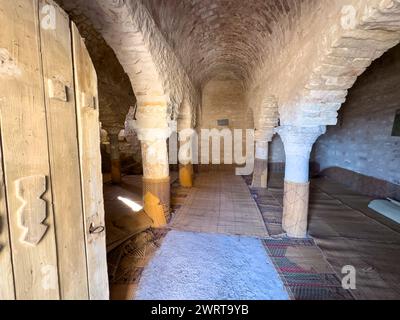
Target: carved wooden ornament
32	212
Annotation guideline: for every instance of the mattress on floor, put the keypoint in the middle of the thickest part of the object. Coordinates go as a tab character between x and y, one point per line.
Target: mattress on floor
386	208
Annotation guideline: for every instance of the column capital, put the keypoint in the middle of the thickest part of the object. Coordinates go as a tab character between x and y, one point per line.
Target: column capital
184	123
151	134
151	123
264	135
299	140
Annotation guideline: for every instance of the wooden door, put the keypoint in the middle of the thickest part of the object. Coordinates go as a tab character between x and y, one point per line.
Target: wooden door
58	78
90	160
52	244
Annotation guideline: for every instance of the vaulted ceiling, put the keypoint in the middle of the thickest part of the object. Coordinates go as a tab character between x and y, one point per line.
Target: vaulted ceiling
225	38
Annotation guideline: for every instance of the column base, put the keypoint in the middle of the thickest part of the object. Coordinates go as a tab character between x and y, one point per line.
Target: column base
295	209
260	175
116	171
186	175
156	195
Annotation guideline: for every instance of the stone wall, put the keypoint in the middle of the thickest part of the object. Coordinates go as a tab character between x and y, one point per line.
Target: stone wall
362	140
225	99
276	150
115	91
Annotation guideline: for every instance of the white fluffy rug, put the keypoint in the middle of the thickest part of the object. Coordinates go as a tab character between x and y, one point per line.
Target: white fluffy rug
196	266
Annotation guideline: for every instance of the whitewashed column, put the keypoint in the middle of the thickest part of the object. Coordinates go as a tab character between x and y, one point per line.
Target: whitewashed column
185	129
260	174
151	126
298	142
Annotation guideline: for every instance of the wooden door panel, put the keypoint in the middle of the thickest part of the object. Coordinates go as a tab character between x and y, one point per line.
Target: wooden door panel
58	79
90	159
52	236
25	154
6	270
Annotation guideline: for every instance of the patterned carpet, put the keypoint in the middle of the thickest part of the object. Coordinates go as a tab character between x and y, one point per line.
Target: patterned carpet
300	263
219	202
305	272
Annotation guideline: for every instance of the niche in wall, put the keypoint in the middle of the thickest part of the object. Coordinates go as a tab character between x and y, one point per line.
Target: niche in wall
396	125
223	123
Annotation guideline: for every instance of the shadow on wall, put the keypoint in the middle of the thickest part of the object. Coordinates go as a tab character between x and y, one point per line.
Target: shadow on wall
373	187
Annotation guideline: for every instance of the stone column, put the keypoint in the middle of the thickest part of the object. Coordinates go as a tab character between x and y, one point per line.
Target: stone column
186	175
156	180
266	120
115	159
260	174
186	172
298	142
152	129
185	131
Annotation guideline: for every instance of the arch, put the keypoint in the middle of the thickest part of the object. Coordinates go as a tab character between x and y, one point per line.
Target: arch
267	118
157	77
186	115
347	54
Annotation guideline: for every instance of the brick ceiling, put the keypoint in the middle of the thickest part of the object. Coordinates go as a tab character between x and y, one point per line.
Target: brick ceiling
229	38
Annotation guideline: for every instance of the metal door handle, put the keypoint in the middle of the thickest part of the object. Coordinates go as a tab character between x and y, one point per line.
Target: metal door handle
96	230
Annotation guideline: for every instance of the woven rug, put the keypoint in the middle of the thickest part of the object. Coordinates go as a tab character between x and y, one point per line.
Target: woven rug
270	204
345	232
219	202
301	264
127	262
349	233
304	271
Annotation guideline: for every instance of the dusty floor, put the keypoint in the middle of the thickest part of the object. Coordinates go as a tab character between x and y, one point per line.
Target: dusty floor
342	231
199	266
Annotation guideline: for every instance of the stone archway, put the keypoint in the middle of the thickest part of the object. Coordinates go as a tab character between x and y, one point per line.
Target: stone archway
156	76
361	33
366	33
265	123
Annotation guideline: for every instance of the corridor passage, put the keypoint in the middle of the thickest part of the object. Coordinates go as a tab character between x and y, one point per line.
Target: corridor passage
124	123
220	202
215	251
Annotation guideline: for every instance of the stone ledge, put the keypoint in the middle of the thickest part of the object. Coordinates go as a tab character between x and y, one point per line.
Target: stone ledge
366	185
